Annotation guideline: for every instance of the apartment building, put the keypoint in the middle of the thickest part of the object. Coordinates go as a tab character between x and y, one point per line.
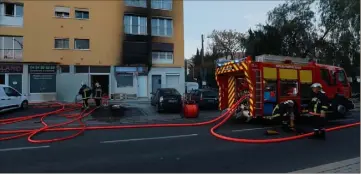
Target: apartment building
47	48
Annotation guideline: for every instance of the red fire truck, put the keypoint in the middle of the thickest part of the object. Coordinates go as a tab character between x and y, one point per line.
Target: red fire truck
272	79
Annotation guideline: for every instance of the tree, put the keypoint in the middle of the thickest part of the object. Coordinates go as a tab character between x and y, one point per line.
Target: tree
227	42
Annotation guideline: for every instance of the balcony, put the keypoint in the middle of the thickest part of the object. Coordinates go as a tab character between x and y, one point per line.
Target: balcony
11	55
11	14
11	21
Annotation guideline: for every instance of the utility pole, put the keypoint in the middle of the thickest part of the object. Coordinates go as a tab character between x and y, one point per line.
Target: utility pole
203	71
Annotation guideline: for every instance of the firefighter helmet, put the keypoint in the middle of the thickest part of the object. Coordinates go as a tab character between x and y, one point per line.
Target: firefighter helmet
289	102
316	85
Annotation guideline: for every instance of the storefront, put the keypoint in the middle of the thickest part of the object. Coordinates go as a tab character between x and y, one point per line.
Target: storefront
11	74
42	78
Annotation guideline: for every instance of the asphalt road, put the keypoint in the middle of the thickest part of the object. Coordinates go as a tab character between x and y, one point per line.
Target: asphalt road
183	149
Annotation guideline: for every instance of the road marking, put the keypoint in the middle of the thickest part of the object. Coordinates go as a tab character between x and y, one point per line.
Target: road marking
23	148
152	138
245	130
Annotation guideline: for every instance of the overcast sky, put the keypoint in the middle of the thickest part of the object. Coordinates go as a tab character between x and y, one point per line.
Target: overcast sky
201	17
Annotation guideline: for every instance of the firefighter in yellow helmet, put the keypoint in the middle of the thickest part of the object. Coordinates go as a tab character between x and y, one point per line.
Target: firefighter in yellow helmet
98	94
317	107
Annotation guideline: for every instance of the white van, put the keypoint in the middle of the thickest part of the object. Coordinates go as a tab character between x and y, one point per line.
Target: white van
191	86
10	99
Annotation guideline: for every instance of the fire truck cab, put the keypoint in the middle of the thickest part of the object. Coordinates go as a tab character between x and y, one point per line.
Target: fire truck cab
272	79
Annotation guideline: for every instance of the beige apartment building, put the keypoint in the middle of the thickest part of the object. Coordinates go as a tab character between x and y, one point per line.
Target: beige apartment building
47	48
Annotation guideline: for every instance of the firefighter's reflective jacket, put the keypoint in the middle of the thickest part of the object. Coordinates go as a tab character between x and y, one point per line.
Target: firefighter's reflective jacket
98	92
85	92
319	103
282	109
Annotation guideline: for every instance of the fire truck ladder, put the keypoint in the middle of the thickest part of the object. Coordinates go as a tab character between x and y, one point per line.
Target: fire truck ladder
258	93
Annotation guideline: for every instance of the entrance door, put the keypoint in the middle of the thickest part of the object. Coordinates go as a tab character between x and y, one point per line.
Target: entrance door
15	81
103	80
2	79
156	82
142	86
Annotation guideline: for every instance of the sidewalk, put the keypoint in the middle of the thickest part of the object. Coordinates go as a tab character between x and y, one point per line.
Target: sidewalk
345	166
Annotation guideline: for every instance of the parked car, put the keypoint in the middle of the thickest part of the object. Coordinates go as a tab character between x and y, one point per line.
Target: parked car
10	99
166	99
205	98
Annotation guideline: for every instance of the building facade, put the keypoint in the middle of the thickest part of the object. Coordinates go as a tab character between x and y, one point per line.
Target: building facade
47	48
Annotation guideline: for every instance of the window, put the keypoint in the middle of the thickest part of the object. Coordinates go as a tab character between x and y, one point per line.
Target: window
81	14
64	68
136	25
162	27
162	4
341	77
289	88
136	3
325	76
61	43
62	12
11	92
13	10
124	80
162	57
81	44
42	83
11	48
81	69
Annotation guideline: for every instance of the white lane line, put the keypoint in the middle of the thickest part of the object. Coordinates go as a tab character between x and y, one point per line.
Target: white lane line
23	148
245	130
152	138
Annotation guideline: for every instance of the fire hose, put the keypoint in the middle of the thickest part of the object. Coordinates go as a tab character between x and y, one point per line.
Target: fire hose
30	133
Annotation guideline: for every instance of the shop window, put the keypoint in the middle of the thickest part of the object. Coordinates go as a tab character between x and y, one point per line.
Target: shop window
289	88
42	83
124	80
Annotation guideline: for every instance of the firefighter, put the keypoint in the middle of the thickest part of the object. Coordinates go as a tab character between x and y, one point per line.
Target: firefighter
318	107
98	94
286	111
85	93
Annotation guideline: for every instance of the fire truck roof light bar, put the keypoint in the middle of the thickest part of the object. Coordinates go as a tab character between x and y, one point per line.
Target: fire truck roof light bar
278	59
223	62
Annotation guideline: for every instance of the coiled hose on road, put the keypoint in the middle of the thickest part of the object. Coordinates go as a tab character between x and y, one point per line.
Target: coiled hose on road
30	133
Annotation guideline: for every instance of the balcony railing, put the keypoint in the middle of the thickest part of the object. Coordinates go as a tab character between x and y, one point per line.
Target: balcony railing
13	21
15	55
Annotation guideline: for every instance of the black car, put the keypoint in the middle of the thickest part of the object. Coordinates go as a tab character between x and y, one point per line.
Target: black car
166	99
205	98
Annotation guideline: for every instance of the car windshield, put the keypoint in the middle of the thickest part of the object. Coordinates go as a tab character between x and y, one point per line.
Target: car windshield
170	91
210	94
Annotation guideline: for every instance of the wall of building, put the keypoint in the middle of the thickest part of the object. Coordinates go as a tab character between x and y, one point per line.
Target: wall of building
163	72
103	29
68	84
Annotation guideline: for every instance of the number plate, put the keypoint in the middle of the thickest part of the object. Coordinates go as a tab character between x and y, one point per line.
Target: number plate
210	101
172	101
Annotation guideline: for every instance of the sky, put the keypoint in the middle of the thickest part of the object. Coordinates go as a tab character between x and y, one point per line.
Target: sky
202	17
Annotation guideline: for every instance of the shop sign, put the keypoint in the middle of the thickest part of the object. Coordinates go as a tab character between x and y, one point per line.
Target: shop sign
11	68
42	68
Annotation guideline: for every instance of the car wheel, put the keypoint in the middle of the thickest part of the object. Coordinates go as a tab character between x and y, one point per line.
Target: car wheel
24	104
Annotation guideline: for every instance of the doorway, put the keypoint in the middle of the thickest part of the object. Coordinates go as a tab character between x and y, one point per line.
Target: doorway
15	81
142	86
156	82
2	79
103	80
